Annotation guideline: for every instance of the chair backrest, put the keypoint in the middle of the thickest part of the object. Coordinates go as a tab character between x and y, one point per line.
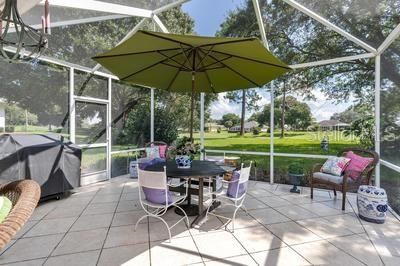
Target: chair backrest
238	188
364	153
244	173
152	179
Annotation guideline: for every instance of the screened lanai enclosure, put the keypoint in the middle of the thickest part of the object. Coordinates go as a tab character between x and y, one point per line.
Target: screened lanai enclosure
345	60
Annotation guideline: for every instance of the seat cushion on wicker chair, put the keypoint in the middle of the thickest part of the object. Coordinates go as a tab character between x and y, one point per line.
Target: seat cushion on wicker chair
330	178
5	208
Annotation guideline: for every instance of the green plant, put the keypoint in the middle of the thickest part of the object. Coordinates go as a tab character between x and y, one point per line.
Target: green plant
256	130
183	146
218	130
296	169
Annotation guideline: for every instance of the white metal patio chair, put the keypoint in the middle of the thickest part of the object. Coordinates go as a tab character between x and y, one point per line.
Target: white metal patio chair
236	196
158	180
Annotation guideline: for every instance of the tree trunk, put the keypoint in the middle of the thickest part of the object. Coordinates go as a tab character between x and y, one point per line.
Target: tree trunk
283	110
243	112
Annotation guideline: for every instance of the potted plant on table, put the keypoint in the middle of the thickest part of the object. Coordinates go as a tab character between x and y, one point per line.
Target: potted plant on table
295	172
184	152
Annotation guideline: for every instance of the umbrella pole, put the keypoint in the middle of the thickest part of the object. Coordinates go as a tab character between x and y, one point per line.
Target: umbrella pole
192	107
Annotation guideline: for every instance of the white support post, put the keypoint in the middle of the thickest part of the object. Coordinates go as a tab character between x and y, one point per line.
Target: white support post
260	22
378	116
109	129
389	40
151	115
333	61
202	125
158	21
271	138
71	108
330	25
169	6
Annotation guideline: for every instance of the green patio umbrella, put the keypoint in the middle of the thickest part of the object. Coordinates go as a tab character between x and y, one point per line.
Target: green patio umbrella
187	63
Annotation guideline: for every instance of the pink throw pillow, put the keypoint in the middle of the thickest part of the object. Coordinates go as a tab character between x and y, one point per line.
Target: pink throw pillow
162	150
357	164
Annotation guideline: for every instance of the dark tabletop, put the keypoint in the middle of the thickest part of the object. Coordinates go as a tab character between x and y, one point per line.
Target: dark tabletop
199	169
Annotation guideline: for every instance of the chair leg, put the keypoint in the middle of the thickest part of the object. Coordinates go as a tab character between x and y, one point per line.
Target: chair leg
233	219
334	192
312	190
344	200
187	219
141	218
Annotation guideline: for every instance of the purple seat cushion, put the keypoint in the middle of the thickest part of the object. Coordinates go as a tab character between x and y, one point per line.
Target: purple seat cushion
156	195
145	162
233	187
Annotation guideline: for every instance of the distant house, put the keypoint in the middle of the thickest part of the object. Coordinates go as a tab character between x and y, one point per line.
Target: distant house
248	127
213	127
333	125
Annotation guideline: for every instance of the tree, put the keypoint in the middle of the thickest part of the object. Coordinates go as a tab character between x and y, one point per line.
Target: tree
234	119
347	116
297	114
249	101
15	116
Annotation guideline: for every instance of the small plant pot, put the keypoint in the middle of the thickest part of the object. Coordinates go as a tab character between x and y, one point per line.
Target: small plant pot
295	181
183	161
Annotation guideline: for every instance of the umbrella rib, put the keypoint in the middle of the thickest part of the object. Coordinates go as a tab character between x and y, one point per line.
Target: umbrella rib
180	64
165	38
253	60
173	80
136	53
237	73
205	72
204	56
148	67
207	67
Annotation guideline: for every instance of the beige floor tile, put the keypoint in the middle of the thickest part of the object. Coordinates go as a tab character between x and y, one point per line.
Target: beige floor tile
52	226
90	222
158	231
126	206
38	262
259	193
74	242
386	238
110	190
279	257
106	198
130	196
359	247
27	226
30	248
268	216
77	259
349	221
128	218
291	233
212	224
303	199
126	255
42	210
337	204
391	261
252	204
258	238
324	253
324	228
100	208
244	260
295	212
275	201
180	251
320	209
77	202
125	235
65	212
242	221
214	246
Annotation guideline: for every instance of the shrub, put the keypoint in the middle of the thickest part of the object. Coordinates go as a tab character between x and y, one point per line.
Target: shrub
296	169
218	130
256	130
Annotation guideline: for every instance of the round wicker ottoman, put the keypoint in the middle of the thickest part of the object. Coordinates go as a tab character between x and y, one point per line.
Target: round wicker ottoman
372	204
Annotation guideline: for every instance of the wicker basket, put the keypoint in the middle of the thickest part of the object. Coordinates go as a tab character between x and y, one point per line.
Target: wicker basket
24	194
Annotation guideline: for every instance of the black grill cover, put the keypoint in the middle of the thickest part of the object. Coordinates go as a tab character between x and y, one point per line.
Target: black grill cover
51	160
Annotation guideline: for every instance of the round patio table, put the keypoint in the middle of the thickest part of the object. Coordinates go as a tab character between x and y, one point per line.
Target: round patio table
198	171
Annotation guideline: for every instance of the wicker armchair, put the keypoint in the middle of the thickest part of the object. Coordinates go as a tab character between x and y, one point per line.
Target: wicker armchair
24	194
345	183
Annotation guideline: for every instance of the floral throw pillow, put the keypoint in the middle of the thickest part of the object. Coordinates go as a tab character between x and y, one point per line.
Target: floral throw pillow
335	165
153	152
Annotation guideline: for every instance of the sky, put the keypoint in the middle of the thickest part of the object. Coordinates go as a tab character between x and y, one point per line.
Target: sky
208	16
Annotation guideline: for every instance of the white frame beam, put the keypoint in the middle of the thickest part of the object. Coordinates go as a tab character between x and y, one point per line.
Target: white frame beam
333	61
202	157
330	25
389	40
100	6
260	22
378	116
158	21
169	6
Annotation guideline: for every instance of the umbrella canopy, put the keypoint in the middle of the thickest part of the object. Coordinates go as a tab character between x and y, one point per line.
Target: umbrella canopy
184	63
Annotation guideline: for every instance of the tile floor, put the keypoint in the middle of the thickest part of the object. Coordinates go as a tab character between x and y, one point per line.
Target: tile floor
95	226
